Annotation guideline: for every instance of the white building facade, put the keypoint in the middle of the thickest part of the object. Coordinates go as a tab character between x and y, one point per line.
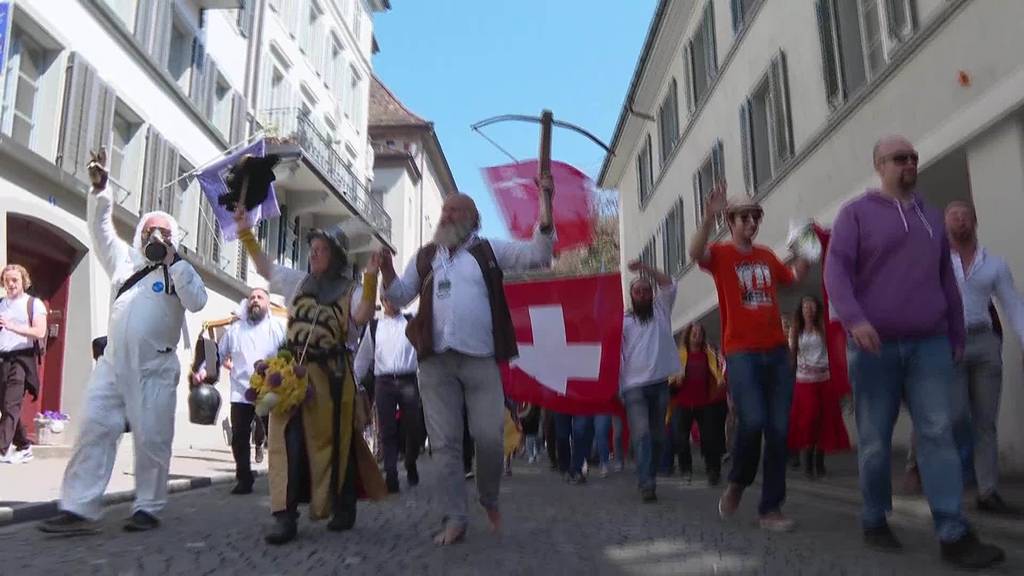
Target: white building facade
169	86
412	175
785	100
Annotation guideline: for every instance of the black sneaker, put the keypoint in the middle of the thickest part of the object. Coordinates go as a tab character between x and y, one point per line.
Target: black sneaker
882	538
412	475
391	480
242	488
141	522
969	552
576	478
648	495
994	504
69	524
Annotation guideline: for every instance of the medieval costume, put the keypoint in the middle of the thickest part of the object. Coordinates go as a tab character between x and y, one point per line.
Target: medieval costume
317	454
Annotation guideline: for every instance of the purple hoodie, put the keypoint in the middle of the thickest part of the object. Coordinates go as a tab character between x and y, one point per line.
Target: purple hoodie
889	264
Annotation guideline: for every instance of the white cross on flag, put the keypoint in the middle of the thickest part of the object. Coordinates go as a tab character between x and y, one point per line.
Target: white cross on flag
569	333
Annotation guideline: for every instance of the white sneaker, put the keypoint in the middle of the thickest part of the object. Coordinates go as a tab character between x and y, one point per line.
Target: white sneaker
12	457
604	471
26	454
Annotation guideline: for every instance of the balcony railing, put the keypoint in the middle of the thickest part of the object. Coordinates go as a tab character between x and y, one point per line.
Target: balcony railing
292	125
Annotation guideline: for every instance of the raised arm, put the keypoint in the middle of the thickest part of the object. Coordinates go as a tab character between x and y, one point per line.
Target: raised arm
110	249
400	291
260	259
518	256
713	208
364	311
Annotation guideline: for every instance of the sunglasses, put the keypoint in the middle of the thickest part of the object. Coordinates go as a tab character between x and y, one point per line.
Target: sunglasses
904	158
745	217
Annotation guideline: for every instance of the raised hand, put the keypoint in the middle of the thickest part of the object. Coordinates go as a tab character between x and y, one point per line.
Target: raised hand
373	266
239	215
636	266
97	168
716	201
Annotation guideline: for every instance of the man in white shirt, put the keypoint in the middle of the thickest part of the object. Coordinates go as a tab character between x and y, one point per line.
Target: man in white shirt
462	330
20	329
256	335
649	357
386	354
981	276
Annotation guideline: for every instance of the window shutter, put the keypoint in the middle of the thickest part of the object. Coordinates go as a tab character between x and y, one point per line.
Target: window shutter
666	252
209	95
737	14
747	147
709	41
88	117
688	67
698	200
830	55
197	86
901	28
153	28
780	102
144	29
245	17
239	114
717	161
160	168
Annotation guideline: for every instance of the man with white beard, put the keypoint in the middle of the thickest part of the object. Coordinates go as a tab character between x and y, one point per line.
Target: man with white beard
461	332
136	378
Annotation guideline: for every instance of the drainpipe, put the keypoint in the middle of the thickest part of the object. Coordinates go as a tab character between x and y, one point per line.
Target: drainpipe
252	59
423	176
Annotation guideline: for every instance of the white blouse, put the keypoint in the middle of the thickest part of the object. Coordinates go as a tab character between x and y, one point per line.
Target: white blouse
812	358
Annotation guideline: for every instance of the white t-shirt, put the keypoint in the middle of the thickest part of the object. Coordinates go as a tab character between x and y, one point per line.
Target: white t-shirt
16	311
649	353
245	343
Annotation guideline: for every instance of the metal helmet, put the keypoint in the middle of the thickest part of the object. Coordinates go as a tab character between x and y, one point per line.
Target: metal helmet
203	405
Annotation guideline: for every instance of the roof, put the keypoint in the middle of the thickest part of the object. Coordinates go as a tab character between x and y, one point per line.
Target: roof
641	65
386	110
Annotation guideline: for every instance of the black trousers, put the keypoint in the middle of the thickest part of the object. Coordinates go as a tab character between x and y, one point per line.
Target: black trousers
467	444
12	390
550	440
711	422
399	392
242	416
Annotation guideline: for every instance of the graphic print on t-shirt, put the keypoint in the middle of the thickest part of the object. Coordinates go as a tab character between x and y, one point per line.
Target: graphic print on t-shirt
755	281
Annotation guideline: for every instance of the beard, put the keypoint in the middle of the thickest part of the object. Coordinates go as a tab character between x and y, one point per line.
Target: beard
643	311
256	314
962	236
908	181
451	235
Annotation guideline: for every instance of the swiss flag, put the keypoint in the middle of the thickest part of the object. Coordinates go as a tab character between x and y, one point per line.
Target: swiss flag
516	193
569	332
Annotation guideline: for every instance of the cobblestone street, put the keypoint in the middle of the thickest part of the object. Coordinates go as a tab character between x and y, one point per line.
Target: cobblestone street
551	528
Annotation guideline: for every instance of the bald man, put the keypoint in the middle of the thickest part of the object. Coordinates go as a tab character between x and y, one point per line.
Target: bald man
890	278
462	330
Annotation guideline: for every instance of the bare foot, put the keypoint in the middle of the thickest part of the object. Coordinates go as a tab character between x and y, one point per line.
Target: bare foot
495	517
450	535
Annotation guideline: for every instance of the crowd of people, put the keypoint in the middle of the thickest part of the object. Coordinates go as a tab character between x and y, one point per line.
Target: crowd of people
910	287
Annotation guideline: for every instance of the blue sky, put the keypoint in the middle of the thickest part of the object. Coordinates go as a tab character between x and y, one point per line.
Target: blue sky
456	62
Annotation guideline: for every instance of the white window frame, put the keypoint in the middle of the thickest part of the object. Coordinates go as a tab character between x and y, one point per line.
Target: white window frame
124	9
668	123
773	88
742	12
128	180
645	172
48	84
711	170
181	24
673	239
703	38
222	102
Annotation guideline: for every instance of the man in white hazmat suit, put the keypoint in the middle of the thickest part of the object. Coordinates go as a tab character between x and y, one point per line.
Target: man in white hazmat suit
136	379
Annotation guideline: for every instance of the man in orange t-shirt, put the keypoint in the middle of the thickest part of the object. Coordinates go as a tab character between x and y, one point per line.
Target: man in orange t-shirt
757	358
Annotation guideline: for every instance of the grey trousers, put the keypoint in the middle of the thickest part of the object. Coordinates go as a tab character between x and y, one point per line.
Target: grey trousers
449	381
977	389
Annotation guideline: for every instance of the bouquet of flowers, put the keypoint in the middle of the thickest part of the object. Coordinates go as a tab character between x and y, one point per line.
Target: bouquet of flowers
279	384
53	420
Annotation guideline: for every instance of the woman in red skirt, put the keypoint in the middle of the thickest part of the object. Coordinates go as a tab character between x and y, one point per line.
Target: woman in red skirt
816	420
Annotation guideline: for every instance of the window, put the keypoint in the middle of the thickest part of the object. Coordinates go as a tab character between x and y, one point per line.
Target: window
742	10
125	10
278	90
334	73
672	240
208	241
125	148
668	123
310	41
647	255
160	170
180	53
644	172
766	129
25	68
244	17
353	110
357	22
222	107
712	170
701	59
858	37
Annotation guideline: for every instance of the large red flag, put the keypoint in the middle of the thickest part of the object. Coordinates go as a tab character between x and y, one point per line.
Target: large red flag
516	193
569	332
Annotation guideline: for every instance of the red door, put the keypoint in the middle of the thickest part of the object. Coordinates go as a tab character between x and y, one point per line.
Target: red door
49	259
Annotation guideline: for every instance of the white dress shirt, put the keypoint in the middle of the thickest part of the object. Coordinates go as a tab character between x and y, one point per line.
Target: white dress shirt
462	310
989	276
649	353
245	343
391	352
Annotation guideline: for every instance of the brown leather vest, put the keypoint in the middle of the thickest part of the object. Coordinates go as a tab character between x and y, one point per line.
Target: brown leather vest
420	329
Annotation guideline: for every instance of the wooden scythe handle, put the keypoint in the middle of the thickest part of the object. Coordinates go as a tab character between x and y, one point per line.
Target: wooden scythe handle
546	118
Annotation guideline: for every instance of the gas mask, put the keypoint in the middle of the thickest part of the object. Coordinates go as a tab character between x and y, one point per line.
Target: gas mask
156	247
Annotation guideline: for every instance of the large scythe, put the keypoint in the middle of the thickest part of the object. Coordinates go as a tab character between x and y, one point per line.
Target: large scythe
546	121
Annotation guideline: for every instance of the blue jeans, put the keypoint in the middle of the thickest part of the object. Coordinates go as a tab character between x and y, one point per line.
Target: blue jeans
645	410
575	439
762	391
602	430
919	370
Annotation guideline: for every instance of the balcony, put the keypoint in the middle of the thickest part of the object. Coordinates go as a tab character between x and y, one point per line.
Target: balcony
320	168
